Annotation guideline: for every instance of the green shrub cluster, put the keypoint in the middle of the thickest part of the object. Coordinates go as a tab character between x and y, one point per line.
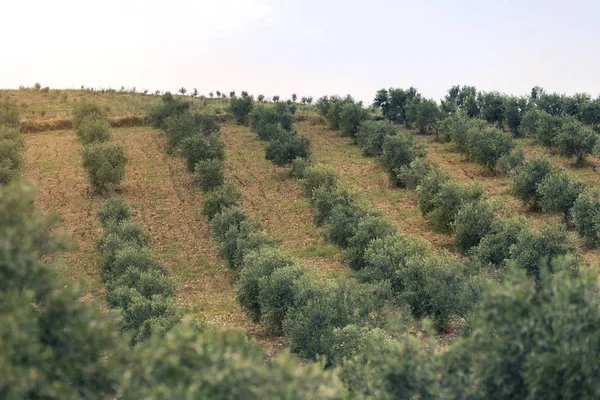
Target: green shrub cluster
103	160
538	183
105	165
54	345
276	126
170	106
241	107
564	132
379	253
136	283
343	114
10	115
276	290
484	145
93	128
12	146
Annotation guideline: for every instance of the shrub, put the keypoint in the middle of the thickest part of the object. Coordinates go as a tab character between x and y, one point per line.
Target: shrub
10	115
557	193
314	177
371	134
226	195
424	113
456	128
428	189
548	128
448	201
105	164
410	176
258	265
131	255
370	227
240	240
538	247
85	110
472	223
398	151
11	160
148	317
437	287
539	345
229	217
286	148
487	146
93	129
586	213
202	148
240	108
352	340
351	115
495	246
179	127
209	174
576	140
121	291
299	166
115	211
170	106
268	122
342	223
325	198
320	306
511	161
207	123
530	122
386	258
276	296
527	178
12	134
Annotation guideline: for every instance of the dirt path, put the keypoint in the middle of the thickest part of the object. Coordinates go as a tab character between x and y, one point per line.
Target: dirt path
53	164
365	174
273	198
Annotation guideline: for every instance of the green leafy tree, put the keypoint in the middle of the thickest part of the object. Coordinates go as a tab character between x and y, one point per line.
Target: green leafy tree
448	201
586	213
558	194
93	129
371	134
104	164
398	151
528	177
576	140
472	223
487	146
240	108
493	107
10	114
258	265
209	174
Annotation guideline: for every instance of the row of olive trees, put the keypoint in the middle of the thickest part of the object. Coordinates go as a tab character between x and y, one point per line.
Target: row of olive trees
549	189
12	143
68	348
136	283
103	160
453	208
271	285
56	346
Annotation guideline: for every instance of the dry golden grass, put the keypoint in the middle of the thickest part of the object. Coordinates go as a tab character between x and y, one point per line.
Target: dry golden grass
53	164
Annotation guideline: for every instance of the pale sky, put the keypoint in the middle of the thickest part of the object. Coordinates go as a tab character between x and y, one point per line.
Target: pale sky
308	47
